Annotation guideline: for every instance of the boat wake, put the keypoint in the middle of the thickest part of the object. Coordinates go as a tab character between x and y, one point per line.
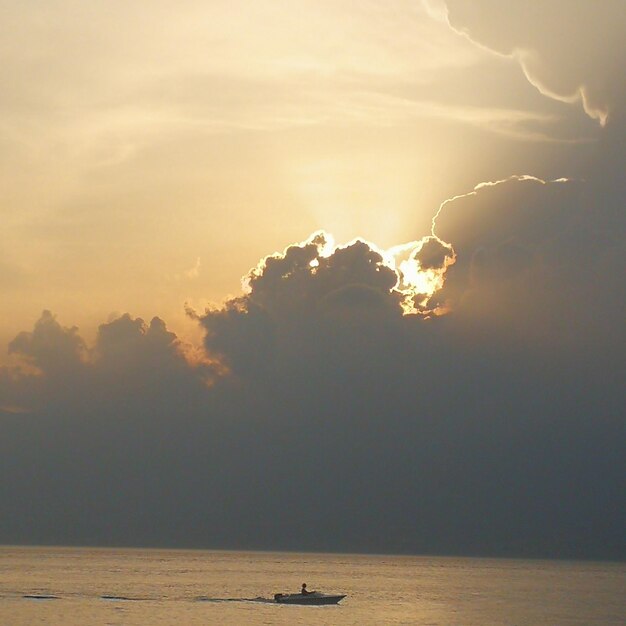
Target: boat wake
259	599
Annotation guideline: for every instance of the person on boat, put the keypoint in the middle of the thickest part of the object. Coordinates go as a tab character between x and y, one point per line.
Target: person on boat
304	592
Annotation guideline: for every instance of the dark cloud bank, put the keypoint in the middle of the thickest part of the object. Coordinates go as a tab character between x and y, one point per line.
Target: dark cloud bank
321	418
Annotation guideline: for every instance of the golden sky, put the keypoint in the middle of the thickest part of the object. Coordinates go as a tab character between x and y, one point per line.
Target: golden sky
150	157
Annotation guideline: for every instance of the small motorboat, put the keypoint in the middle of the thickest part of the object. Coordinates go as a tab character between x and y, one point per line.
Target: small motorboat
313	597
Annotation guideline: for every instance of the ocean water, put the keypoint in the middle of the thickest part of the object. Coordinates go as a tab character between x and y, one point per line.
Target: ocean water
80	586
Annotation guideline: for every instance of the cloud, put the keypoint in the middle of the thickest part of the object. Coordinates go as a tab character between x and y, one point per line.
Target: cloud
50	347
519	256
459	393
126	339
568	50
533	261
492	429
433	254
299	295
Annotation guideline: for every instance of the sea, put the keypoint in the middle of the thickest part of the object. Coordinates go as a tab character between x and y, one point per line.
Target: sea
128	587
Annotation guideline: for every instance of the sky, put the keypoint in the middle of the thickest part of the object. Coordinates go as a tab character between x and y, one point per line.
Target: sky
314	275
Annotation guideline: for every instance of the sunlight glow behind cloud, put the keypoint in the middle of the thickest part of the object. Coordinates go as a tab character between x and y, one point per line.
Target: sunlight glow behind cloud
134	141
415	283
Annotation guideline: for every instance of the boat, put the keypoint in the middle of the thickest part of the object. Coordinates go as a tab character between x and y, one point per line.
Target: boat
314	597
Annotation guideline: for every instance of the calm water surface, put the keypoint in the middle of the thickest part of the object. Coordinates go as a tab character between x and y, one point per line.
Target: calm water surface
75	587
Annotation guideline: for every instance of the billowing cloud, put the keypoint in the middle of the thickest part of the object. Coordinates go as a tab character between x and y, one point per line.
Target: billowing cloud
405	275
570	50
433	254
125	340
49	346
536	260
460	392
480	414
518	256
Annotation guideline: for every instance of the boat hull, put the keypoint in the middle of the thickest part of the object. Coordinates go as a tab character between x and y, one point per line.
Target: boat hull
308	599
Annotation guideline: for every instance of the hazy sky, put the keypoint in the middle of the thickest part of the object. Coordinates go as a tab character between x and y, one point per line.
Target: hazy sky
440	370
151	157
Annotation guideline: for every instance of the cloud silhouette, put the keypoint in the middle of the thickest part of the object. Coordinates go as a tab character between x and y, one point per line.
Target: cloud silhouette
460	393
536	261
337	420
50	347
